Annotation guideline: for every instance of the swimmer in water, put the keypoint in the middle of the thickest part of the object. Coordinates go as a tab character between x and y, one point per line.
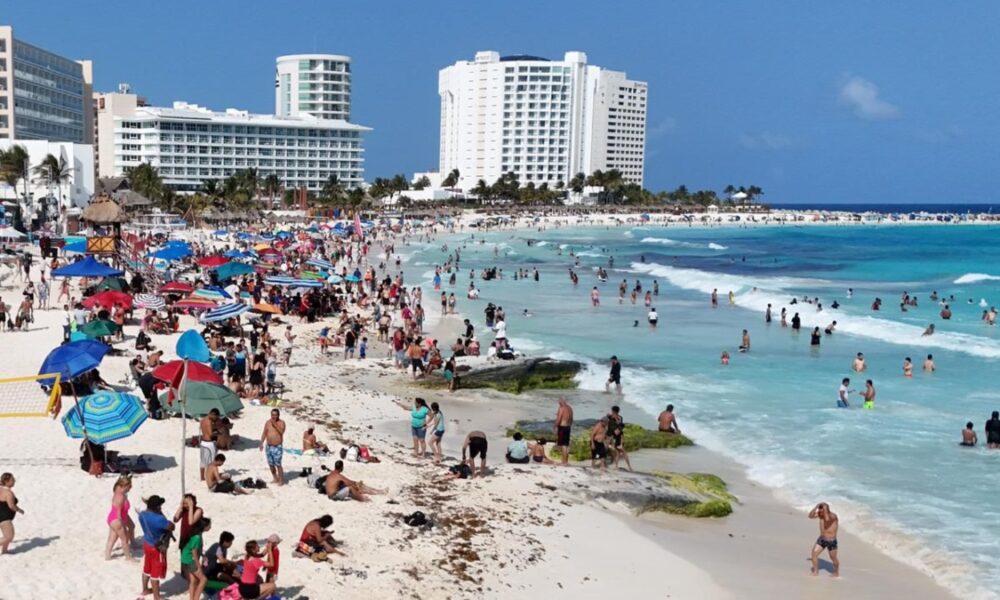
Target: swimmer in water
595	297
724	358
907	367
869	395
830	328
929	366
745	346
526	313
929	330
969	437
843	392
859	365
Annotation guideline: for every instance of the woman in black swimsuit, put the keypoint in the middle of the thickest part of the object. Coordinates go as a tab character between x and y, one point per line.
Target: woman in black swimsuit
257	374
8	510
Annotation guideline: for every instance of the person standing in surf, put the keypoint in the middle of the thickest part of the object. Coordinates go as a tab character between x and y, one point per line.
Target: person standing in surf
615	376
827	540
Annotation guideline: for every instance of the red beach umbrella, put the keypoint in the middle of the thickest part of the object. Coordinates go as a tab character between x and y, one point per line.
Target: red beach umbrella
213	261
196	372
176	287
109	299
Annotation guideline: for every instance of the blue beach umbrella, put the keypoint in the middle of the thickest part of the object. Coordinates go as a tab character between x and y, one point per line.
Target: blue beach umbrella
108	416
352	278
73	359
293	282
233	269
88	267
322	264
191	346
224	312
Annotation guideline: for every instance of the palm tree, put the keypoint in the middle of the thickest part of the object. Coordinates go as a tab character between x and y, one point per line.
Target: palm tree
249	179
577	183
146	180
272	186
482	190
54	172
423	182
332	192
212	190
451	180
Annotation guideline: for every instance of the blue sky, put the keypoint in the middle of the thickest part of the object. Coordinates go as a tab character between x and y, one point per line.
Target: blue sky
890	101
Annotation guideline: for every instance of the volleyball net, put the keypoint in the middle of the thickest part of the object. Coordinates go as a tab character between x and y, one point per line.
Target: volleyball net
29	396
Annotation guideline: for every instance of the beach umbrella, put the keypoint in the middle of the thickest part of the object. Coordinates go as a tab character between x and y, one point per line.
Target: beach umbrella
352	278
313	275
108	416
212	293
201	397
108	299
212	261
220	232
322	264
9	233
196	371
76	336
264	308
233	269
73	359
196	303
171	253
88	267
117	284
224	312
149	301
334	279
267	251
176	287
293	282
99	328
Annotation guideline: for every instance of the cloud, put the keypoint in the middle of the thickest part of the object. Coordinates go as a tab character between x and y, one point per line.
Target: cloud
663	127
765	140
861	97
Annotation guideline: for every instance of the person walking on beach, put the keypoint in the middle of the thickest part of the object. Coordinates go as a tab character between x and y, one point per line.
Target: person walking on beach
436	426
615	376
563	428
273	437
154	525
827	540
120	525
8	510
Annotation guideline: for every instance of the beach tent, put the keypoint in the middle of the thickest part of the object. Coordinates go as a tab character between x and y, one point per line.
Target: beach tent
88	267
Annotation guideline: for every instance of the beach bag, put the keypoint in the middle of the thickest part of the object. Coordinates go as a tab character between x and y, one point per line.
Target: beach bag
364	454
163	543
230	593
96	467
352	454
416	519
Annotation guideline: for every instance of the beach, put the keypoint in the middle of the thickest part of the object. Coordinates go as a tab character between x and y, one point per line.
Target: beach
523	529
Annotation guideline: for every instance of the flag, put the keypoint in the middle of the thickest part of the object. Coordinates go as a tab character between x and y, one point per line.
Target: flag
357	224
175	384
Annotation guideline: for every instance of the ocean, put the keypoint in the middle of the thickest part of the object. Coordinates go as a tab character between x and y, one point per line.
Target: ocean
892	208
895	474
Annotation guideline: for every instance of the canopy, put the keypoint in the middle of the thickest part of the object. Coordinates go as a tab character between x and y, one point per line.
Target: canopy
73	359
201	398
171	253
224	312
9	233
108	299
88	267
108	416
196	371
233	269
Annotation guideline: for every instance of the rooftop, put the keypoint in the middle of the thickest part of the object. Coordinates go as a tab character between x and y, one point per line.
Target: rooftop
193	112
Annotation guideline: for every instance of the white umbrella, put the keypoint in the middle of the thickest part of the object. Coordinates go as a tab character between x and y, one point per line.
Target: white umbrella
9	233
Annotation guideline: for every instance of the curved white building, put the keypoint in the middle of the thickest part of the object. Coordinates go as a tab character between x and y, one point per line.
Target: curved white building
545	120
313	84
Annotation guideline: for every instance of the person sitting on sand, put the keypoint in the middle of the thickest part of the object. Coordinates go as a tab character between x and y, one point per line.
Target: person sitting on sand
667	421
317	537
222	483
250	586
517	451
537	451
969	437
311	445
339	487
218	567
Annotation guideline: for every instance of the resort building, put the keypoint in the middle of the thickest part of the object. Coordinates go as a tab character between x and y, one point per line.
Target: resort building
541	119
43	96
77	181
309	139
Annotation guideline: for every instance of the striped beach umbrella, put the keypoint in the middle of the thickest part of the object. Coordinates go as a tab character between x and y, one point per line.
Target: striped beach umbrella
211	294
196	303
224	312
149	301
176	287
293	282
108	416
322	264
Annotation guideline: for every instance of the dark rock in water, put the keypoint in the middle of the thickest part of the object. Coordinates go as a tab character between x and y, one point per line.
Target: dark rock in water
522	375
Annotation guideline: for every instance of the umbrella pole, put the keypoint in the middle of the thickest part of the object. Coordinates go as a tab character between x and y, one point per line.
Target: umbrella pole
182	393
83	425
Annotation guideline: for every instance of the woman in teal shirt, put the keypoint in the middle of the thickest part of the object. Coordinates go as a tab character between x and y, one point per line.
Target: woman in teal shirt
418	424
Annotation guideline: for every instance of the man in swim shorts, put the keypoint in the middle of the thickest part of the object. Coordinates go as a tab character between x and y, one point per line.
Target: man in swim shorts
476	445
615	376
598	450
563	428
827	540
273	437
206	446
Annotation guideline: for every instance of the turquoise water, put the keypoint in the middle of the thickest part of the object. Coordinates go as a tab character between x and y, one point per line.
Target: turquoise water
895	474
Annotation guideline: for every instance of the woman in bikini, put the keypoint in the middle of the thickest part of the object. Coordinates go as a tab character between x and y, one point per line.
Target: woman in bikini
120	525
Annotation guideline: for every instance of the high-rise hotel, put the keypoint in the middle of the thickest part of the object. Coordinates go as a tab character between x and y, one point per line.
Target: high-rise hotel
542	119
308	139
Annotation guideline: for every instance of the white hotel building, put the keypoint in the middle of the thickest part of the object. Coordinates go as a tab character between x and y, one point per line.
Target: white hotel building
190	144
543	120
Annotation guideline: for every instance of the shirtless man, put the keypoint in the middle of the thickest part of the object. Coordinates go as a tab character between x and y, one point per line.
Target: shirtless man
667	420
859	363
207	447
312	445
598	449
929	366
827	539
340	487
274	437
907	367
745	345
475	445
219	482
563	428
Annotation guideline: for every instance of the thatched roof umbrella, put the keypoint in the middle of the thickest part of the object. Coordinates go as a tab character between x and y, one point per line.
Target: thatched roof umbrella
104	211
131	200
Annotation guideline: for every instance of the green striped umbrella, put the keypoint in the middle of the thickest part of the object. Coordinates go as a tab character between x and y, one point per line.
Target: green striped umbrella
108	416
202	397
